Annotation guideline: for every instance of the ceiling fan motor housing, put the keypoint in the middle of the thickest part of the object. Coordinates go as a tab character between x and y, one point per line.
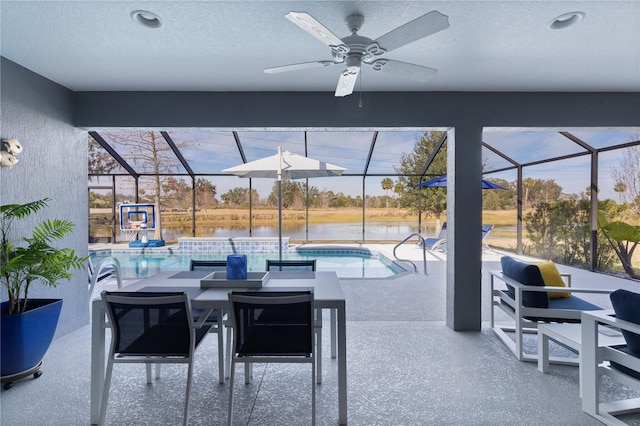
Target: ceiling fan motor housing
358	50
354	50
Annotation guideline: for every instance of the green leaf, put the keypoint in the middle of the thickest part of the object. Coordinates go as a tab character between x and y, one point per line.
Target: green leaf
20	211
621	231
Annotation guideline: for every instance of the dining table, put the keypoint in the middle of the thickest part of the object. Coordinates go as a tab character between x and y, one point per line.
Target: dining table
327	290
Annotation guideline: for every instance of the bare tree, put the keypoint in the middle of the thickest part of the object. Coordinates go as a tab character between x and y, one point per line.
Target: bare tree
100	161
627	177
148	152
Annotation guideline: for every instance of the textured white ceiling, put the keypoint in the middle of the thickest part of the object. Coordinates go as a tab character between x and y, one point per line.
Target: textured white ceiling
224	45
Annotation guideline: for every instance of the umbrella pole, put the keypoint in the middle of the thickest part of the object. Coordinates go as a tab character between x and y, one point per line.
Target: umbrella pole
279	219
279	203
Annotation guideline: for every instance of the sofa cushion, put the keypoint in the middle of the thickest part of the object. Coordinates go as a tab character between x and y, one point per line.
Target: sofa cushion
626	305
552	278
525	274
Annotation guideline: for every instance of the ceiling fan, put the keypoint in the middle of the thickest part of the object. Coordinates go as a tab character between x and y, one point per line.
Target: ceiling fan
355	50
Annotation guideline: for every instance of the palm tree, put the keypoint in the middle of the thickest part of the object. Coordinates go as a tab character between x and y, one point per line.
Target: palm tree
387	184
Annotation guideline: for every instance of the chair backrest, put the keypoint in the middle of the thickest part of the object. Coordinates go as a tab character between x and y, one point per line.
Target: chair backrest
273	323
291	265
211	265
443	232
149	323
485	230
107	267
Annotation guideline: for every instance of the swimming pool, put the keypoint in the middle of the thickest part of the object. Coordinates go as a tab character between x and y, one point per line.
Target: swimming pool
347	263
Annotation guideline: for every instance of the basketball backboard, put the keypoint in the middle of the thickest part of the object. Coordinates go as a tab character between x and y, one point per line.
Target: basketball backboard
137	216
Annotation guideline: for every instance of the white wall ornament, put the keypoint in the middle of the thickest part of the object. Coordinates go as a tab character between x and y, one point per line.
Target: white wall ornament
8	152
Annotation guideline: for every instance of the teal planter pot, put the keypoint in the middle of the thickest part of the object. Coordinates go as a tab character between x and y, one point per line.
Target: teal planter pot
26	337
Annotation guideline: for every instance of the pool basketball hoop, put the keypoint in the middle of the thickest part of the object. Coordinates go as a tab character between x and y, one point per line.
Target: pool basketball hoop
135	221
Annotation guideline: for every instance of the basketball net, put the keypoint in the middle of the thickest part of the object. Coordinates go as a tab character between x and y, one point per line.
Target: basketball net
130	233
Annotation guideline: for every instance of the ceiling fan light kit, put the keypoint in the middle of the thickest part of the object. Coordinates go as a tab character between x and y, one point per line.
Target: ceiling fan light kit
355	50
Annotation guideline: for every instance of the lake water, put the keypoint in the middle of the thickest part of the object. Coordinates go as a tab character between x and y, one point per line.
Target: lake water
375	231
317	231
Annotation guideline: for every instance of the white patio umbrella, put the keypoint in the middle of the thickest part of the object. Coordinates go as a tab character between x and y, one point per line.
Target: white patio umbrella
284	165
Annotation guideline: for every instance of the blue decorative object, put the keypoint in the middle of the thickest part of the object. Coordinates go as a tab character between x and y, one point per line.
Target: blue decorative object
237	267
150	243
27	336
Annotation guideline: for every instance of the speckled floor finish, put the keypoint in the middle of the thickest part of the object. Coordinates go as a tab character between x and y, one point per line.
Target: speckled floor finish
405	367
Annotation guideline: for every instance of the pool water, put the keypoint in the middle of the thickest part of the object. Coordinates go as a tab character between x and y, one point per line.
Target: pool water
347	264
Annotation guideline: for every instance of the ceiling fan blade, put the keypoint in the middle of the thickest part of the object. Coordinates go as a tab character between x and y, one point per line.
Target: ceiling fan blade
421	27
347	82
313	27
300	66
404	69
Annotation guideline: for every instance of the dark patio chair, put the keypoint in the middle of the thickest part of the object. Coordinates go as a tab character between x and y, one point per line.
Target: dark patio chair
272	327
309	265
291	265
209	265
214	265
151	327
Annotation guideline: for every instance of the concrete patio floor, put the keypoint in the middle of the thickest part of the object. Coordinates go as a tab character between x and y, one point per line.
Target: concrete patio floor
405	367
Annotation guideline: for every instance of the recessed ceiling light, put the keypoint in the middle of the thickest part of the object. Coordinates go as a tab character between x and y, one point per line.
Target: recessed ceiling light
146	18
566	20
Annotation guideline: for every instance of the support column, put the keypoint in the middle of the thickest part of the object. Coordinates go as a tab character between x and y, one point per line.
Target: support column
464	225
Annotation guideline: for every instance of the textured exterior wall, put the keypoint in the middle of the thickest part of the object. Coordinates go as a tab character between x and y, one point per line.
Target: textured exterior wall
40	114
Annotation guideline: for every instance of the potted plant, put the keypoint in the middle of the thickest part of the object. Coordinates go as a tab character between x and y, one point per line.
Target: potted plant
28	325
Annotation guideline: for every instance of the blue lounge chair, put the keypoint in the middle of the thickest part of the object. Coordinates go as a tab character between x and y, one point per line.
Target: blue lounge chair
439	243
485	231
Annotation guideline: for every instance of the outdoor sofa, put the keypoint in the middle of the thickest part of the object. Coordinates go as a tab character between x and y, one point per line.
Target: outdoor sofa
620	363
525	298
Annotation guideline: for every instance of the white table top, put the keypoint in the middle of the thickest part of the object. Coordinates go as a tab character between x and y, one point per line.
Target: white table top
326	286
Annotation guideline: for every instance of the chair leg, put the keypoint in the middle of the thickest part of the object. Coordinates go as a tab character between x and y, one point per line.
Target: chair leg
149	368
313	394
185	417
228	351
318	352
105	391
248	372
231	378
334	334
220	354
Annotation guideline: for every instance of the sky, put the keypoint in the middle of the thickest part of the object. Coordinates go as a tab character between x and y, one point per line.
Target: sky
573	175
210	151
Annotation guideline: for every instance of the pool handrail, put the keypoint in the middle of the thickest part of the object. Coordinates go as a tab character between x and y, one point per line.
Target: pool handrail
424	252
